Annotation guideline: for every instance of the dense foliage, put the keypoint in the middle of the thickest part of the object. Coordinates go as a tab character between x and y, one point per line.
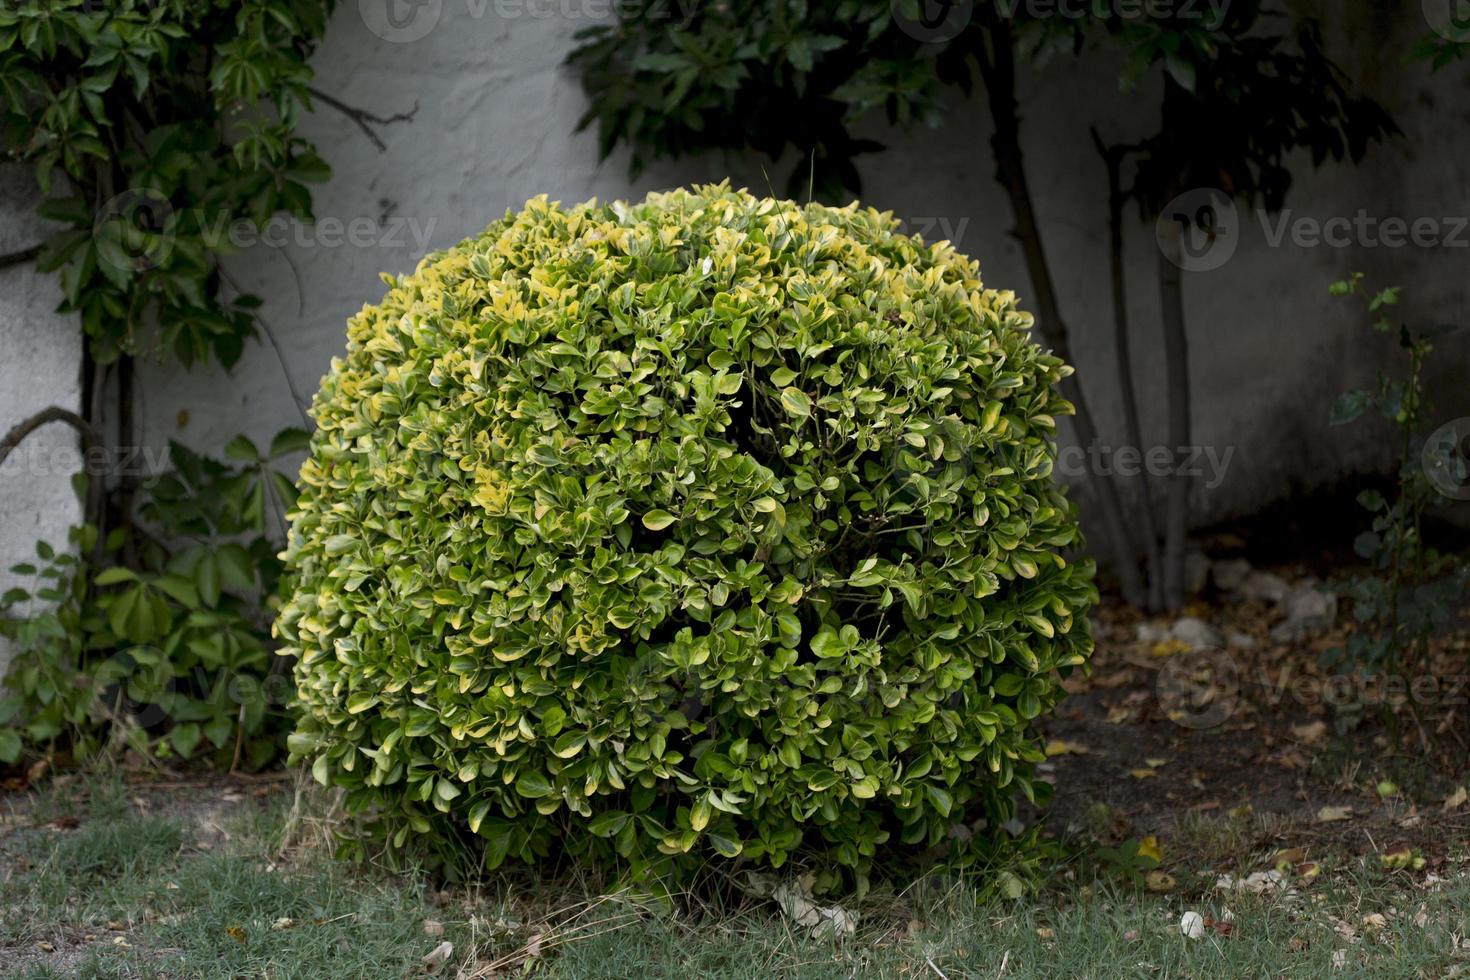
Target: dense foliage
794	73
156	639
709	525
166	121
153	126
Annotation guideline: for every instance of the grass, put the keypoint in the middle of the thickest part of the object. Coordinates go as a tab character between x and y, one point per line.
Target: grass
96	881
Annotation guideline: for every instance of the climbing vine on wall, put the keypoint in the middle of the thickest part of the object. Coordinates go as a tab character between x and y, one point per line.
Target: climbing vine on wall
152	128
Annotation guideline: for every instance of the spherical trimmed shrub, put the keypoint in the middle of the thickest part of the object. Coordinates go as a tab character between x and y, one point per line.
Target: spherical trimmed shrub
707	527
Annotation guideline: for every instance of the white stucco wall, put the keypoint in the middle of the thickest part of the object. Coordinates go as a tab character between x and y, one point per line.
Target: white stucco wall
40	366
494	126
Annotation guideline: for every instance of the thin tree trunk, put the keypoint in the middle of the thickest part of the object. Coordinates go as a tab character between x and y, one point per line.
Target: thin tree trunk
1113	158
94	389
1000	85
1176	363
1176	104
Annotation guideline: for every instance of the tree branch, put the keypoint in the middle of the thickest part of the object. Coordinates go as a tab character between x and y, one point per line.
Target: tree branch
365	120
20	257
54	413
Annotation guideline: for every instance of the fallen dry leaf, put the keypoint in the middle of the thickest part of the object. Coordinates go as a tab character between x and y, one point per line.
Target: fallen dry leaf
796	902
1313	733
433	928
1456	799
438	956
1149	848
1257	883
1058	746
1287	857
1401	857
1169	647
1160	881
1331	814
1142	773
1113	679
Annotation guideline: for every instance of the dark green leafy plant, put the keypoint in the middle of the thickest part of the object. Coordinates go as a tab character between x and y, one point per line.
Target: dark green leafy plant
1130	861
1411	590
154	126
708	526
173	659
167	120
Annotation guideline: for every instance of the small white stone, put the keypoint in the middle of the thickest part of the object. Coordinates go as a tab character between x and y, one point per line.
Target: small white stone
1240	641
1309	612
1230	573
1264	585
1196	633
1152	633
